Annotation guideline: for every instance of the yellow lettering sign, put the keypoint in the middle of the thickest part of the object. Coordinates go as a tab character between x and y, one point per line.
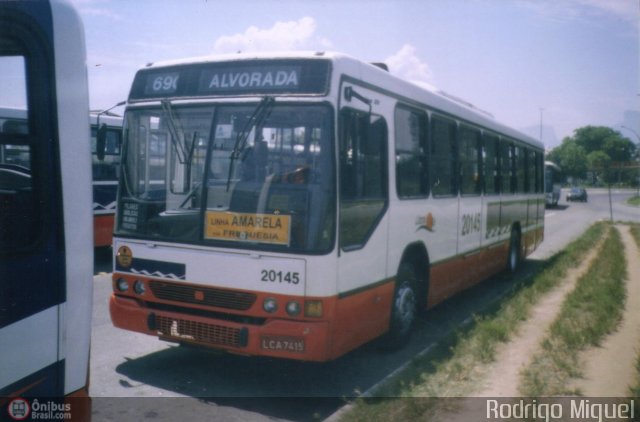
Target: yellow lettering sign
260	228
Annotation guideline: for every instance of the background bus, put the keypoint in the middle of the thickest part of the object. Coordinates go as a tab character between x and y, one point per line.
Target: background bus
45	256
300	205
552	186
105	169
105	166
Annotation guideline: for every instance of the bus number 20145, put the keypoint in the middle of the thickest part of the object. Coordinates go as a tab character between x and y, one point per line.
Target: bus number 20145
273	276
471	223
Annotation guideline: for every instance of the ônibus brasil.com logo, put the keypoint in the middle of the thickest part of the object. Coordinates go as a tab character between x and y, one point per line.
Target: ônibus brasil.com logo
20	409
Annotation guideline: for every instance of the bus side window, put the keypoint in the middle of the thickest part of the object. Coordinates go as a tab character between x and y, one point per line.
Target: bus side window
520	169
442	160
18	205
539	172
411	153
469	161
491	165
506	167
363	175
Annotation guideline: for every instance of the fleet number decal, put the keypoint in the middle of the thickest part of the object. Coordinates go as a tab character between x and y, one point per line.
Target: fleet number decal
273	276
471	223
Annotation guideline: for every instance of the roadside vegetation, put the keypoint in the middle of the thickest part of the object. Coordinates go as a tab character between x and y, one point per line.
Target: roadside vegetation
635	390
455	367
593	155
635	201
591	311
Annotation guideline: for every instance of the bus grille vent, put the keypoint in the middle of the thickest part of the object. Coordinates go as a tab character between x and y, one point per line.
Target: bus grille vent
180	329
227	299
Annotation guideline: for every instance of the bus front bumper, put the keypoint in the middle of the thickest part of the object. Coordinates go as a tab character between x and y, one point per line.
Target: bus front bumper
301	340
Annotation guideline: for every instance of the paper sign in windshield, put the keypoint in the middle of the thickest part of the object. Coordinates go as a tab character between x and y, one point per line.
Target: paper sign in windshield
242	227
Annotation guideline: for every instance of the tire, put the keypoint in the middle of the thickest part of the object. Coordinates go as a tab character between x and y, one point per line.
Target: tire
513	259
403	309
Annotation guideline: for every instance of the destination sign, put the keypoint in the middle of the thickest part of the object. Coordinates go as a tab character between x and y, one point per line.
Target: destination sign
245	77
279	78
243	227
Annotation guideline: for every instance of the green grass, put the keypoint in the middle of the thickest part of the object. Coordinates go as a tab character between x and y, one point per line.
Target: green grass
635	389
635	200
588	314
456	365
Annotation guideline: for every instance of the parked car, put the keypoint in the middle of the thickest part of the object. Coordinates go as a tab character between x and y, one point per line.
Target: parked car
577	194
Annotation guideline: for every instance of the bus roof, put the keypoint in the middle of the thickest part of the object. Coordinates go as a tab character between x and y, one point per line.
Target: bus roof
374	75
13	113
108	119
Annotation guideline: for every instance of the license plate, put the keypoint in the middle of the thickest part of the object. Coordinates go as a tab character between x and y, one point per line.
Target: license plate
283	344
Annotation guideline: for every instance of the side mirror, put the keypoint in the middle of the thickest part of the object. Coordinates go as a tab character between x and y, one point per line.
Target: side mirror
101	142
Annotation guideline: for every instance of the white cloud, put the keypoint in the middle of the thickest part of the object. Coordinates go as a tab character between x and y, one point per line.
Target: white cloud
291	35
407	65
95	8
625	10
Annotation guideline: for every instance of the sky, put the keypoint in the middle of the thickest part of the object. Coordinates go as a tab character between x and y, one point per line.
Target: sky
569	63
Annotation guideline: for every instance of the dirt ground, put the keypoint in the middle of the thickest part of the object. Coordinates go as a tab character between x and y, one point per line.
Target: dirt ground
609	369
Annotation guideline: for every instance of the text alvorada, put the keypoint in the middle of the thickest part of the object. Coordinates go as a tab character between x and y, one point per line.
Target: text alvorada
280	78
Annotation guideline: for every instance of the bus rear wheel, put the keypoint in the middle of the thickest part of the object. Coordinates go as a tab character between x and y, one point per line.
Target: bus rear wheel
403	309
514	251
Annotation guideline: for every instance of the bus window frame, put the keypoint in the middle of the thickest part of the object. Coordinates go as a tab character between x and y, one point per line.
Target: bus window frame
353	199
452	154
422	156
27	42
477	189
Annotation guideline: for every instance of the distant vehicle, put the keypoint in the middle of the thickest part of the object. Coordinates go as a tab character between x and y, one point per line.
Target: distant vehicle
551	184
577	194
105	167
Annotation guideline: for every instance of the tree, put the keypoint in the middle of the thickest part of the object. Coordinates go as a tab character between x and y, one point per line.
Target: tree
599	163
593	148
571	158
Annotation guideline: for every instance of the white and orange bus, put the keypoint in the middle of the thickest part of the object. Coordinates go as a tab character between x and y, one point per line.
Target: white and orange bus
300	205
46	257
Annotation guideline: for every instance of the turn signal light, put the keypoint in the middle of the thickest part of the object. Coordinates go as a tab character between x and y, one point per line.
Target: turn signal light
313	308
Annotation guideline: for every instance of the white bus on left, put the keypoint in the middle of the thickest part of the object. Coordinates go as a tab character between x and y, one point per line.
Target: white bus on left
46	256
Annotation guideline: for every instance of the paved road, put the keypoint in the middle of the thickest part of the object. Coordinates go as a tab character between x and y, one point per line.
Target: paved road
221	387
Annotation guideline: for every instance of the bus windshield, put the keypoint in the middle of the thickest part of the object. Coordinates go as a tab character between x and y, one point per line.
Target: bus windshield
256	176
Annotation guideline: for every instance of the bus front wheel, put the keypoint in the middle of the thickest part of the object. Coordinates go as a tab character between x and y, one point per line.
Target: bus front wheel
403	309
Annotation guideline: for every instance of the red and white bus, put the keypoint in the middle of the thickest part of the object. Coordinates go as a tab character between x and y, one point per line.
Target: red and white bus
300	205
46	257
105	169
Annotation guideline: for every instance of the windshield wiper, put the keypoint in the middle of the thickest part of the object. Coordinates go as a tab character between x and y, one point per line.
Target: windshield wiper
184	152
176	141
259	115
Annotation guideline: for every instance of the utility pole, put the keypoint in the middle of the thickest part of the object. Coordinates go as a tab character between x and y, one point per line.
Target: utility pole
541	110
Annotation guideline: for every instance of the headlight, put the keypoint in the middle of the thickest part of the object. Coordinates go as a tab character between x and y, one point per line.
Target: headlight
122	285
270	305
138	287
293	308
